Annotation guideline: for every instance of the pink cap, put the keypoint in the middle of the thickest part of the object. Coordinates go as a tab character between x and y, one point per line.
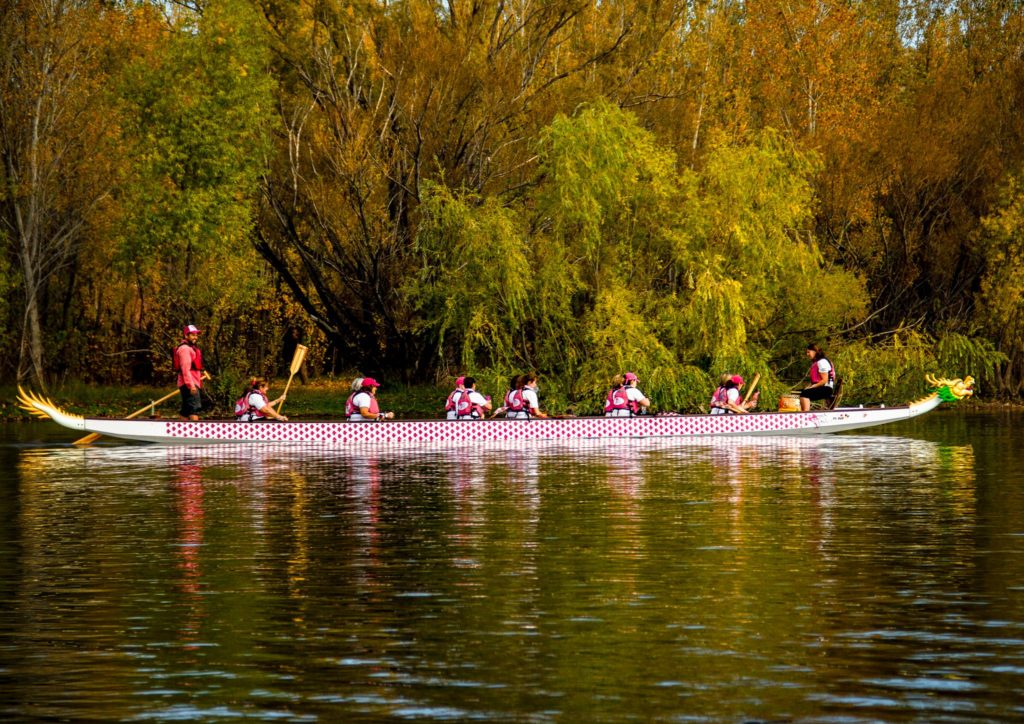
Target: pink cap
460	381
629	377
191	329
370	382
737	379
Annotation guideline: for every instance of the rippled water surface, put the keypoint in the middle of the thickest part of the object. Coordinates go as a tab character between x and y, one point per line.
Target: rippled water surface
846	578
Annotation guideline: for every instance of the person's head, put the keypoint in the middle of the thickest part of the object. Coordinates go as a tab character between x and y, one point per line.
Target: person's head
617	381
729	384
191	332
460	382
357	384
814	352
725	377
529	380
259	383
515	382
370	385
737	380
468	382
630	379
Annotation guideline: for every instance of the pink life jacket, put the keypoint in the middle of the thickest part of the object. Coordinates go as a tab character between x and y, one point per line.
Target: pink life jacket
618	399
514	401
243	408
464	407
720	397
451	403
816	376
351	409
197	357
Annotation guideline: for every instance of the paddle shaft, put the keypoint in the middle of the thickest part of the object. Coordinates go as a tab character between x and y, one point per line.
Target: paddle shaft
757	378
94	436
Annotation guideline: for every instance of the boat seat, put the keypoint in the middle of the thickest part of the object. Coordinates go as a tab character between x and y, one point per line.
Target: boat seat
830	403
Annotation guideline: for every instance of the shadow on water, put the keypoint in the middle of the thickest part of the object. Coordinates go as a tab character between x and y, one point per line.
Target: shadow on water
852	576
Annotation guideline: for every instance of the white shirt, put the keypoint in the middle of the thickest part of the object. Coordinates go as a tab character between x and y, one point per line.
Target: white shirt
360	401
823	369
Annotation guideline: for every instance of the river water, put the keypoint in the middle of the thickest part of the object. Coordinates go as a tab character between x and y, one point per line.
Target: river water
845	578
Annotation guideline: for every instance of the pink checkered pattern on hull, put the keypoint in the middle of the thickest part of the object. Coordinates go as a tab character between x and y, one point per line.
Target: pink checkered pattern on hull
442	431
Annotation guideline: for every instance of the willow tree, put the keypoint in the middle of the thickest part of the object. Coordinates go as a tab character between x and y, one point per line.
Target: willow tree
377	99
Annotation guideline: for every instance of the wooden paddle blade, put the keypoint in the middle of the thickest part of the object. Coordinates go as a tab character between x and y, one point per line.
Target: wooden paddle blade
298	358
88	439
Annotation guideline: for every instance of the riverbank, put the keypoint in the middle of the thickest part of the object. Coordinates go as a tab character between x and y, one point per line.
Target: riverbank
316	400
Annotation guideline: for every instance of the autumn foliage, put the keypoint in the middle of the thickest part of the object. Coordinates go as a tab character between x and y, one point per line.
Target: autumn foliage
578	188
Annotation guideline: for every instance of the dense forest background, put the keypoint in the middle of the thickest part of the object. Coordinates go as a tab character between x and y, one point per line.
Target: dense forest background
422	188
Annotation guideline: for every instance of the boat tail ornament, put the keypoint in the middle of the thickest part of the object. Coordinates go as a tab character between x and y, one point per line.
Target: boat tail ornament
44	408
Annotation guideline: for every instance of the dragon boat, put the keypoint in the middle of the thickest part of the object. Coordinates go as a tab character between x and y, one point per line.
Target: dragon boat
457	432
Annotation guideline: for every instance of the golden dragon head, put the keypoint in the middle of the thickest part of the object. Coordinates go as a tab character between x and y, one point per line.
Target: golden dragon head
951	390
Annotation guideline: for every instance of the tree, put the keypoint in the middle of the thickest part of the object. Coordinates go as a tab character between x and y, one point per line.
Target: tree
53	138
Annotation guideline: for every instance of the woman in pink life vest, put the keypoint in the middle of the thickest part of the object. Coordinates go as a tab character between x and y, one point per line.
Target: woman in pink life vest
733	402
454	396
257	404
718	398
521	402
823	378
624	399
362	406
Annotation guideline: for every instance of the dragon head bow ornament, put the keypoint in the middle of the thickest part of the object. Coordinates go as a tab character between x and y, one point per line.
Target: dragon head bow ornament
951	390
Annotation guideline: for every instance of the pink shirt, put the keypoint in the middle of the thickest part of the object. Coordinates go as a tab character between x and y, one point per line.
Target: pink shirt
187	375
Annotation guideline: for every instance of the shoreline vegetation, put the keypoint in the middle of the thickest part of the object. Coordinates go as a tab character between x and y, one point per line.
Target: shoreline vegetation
325	399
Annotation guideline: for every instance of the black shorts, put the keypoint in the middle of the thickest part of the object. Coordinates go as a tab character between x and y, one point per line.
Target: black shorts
817	393
190	404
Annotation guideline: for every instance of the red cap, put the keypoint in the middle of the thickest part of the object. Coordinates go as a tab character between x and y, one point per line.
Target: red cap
370	382
629	377
737	379
191	329
460	381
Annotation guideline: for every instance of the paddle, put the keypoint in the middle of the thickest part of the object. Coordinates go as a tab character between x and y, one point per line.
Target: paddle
753	384
297	359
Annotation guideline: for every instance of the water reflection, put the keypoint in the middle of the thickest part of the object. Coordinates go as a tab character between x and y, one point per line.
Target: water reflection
852	576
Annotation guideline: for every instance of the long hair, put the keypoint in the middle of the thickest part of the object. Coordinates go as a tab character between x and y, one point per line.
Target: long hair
617	381
818	353
256	383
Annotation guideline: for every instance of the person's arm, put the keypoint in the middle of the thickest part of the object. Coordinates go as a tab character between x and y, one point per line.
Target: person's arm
734	404
270	412
640	398
532	404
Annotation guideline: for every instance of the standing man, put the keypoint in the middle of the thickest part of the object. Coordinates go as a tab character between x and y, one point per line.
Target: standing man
188	362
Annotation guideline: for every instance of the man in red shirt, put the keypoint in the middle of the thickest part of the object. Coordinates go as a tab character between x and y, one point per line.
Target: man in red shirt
188	361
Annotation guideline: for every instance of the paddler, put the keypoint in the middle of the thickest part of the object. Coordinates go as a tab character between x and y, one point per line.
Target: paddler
526	404
362	405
